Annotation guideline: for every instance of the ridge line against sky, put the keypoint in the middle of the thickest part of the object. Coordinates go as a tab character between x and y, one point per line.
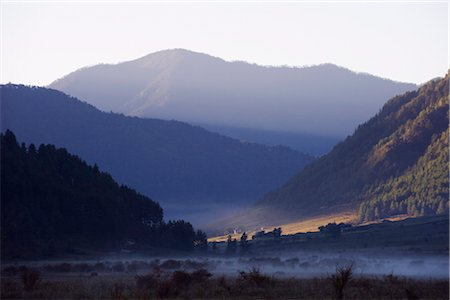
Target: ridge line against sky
402	41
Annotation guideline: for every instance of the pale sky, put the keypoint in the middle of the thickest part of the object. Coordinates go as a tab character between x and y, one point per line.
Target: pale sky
405	41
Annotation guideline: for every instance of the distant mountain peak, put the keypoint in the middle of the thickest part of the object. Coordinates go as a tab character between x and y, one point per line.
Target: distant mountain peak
199	88
172	57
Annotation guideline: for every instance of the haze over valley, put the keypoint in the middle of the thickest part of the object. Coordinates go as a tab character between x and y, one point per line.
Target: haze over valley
324	102
394	164
212	150
186	168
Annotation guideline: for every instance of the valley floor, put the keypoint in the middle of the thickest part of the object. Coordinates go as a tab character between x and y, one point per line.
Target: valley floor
291	275
200	285
406	259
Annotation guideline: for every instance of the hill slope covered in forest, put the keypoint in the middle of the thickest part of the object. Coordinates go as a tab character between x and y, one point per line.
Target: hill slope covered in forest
186	168
54	204
395	163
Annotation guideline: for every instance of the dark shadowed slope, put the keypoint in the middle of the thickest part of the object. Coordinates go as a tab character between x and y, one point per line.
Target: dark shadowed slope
170	161
324	100
54	204
309	143
396	163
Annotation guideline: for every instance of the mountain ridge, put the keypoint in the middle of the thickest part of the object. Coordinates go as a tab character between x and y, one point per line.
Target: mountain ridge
375	171
199	88
173	162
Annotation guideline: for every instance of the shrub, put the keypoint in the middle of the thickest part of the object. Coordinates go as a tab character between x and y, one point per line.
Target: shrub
62	268
254	277
200	276
410	295
10	271
118	267
181	280
99	267
340	279
30	279
190	264
118	291
292	262
171	264
146	282
163	290
132	267
84	267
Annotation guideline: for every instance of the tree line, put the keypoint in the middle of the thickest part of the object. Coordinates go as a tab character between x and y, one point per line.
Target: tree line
54	203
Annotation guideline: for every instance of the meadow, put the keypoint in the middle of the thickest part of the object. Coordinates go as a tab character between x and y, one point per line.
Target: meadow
306	277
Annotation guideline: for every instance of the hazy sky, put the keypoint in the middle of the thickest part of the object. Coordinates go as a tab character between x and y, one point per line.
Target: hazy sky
403	41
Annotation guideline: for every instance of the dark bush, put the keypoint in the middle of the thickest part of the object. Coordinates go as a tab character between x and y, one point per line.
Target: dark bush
63	268
118	267
100	267
191	264
117	291
254	277
163	290
83	267
132	267
340	280
410	295
10	271
30	279
146	282
200	276
180	280
292	262
171	264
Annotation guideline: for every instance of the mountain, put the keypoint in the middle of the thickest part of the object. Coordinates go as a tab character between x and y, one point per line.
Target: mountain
190	171
303	142
395	163
53	203
324	100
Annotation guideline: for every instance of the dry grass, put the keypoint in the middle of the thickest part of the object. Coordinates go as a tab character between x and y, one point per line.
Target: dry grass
311	224
246	285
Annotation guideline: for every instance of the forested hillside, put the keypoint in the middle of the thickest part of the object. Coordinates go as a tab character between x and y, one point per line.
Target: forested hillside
423	189
396	163
53	203
183	166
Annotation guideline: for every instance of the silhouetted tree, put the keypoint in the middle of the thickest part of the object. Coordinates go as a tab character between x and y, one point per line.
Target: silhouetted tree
277	232
331	229
201	241
179	235
231	245
244	243
214	246
49	198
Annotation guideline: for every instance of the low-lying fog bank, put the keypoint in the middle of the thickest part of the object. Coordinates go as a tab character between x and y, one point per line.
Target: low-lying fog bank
299	264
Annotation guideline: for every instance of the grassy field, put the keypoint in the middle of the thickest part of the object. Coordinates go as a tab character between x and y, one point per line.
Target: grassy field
412	235
405	259
200	284
309	225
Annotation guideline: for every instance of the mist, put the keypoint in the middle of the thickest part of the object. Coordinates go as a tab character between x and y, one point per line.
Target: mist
301	264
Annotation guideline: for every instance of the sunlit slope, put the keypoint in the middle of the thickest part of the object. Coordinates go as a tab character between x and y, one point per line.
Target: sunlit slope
406	138
396	163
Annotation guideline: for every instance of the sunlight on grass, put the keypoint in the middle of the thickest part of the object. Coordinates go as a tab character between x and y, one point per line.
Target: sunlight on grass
309	225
